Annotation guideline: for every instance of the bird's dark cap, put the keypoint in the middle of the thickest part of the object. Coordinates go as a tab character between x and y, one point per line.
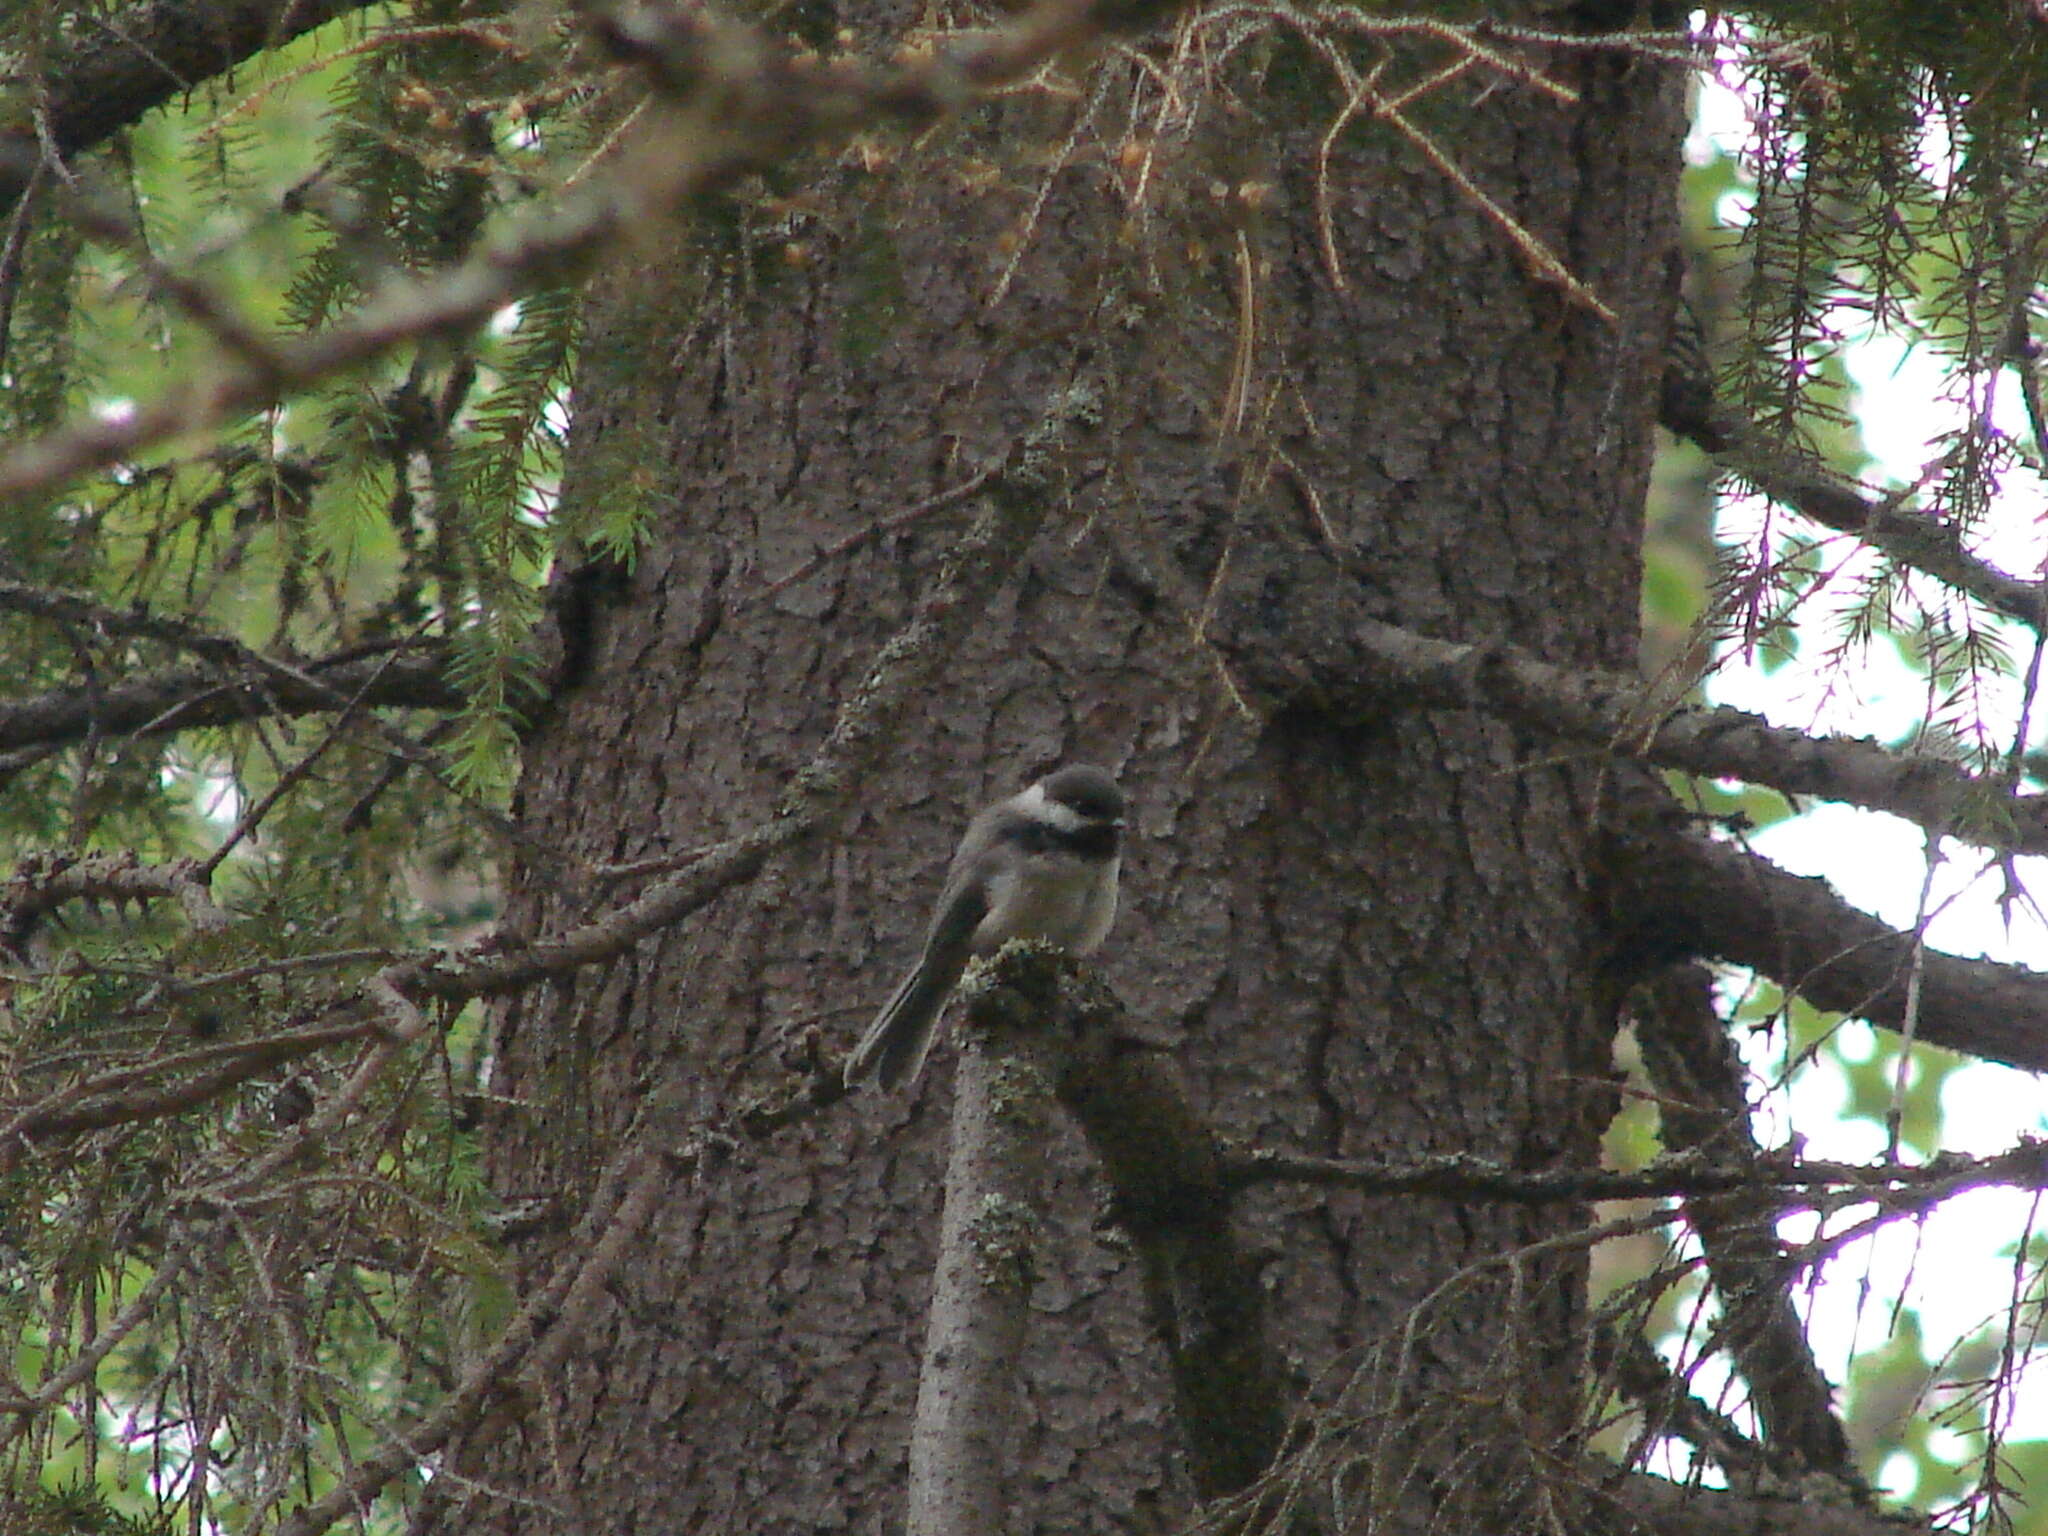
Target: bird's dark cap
1087	790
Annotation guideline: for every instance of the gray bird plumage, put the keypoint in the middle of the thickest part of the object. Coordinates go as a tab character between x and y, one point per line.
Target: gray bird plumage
1040	865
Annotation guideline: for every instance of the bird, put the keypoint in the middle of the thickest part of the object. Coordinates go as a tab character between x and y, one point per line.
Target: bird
1041	864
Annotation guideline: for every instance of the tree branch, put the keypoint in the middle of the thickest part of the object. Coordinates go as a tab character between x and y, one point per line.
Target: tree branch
163	1274
1297	635
1173	1188
968	1418
43	882
1642	1505
543	1329
1672	894
1702	1106
1335	657
127	1095
79	610
1622	1355
184	698
125	65
1795	480
1457	1176
1164	1167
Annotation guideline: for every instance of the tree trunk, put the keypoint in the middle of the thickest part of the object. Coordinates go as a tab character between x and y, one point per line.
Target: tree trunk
1310	369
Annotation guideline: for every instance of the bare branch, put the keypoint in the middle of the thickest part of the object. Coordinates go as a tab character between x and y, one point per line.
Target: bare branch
43	882
1640	1374
1643	1505
410	677
1458	1176
1674	894
124	1095
83	611
1703	1107
1334	656
1164	1166
968	1400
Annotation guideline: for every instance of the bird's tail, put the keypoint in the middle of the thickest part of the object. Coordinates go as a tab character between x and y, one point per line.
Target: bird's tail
893	1050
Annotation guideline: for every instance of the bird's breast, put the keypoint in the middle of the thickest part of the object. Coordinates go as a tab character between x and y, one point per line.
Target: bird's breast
1059	898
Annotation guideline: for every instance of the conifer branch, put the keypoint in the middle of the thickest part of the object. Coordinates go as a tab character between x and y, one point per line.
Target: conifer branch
738	104
1796	480
1703	1108
119	66
154	1089
551	1318
43	882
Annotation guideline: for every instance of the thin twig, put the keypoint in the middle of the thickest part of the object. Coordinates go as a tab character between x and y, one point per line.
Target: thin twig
550	1320
168	1270
861	537
1455	1176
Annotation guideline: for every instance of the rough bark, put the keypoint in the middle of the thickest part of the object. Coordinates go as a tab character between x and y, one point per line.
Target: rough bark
967	1401
1366	940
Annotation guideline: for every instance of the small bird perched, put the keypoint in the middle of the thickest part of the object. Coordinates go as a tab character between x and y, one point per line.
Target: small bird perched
1039	865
